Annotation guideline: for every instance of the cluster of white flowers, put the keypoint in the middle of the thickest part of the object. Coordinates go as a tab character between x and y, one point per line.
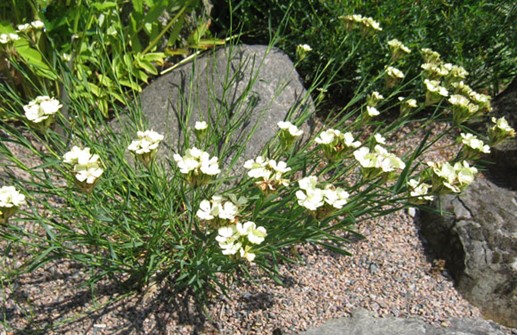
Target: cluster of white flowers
7	38
366	24
288	133
10	197
26	27
406	105
238	239
302	50
86	166
481	101
200	128
441	77
217	208
269	172
430	56
147	142
313	197
449	178
395	73
434	71
473	146
394	76
397	49
335	143
41	108
419	191
290	128
379	139
372	111
146	147
200	125
434	91
374	98
500	130
197	161
10	201
197	165
378	161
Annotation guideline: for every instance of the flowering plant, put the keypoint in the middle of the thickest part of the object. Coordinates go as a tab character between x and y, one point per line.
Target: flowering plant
208	212
10	201
146	147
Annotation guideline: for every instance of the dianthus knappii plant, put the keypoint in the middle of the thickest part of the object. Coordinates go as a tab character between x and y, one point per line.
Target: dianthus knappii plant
131	211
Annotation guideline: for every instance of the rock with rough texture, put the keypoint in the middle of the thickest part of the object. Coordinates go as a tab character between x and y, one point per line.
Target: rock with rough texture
477	237
363	323
504	156
255	84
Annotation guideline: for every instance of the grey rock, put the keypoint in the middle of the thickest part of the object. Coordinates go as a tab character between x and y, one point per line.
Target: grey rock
255	84
476	234
363	323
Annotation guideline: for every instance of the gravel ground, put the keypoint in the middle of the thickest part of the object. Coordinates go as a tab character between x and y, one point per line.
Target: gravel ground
389	274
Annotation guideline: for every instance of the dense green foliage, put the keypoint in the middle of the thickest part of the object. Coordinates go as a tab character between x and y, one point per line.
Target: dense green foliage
478	35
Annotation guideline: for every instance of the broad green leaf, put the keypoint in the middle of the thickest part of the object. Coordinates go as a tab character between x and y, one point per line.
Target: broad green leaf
155	57
132	85
138	6
34	59
145	65
104	5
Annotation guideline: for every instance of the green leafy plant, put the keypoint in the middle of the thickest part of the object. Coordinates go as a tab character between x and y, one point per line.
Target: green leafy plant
137	43
478	36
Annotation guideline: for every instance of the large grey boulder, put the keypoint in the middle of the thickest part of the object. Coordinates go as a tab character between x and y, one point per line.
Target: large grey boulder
249	88
476	234
363	323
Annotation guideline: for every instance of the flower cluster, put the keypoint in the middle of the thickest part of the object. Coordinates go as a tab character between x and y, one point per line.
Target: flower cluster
7	38
435	92
447	178
440	78
472	146
374	98
10	201
197	165
85	166
219	210
462	108
430	56
302	50
268	172
500	131
42	108
407	105
419	191
320	201
394	76
367	25
288	133
146	146
398	49
336	144
238	239
378	162
200	128
27	27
